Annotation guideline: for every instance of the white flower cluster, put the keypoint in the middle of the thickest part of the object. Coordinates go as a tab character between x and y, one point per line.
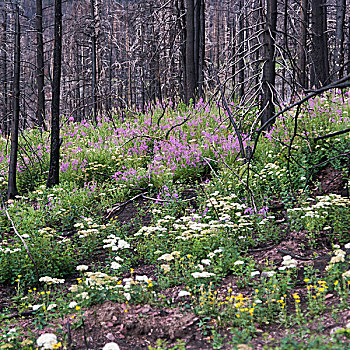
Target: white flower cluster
322	206
230	215
215	252
9	251
88	228
47	231
102	281
98	279
47	341
115	243
288	263
82	268
49	280
146	231
168	257
111	346
202	274
88	232
339	257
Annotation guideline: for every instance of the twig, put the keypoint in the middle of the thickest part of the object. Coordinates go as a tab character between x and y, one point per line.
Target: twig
232	120
164	200
340	132
84	334
143	136
291	144
205	193
285	252
20	237
112	210
69	335
18	314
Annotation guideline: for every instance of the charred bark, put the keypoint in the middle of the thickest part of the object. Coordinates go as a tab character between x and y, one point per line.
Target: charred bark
54	170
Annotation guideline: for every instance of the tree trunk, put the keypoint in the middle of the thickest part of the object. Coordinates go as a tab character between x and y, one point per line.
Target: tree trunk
302	44
78	111
53	177
4	123
201	49
181	22
339	39
320	65
269	72
190	68
241	50
348	65
93	59
12	187
40	113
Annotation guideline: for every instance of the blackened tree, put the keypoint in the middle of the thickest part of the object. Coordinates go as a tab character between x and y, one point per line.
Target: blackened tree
54	170
12	186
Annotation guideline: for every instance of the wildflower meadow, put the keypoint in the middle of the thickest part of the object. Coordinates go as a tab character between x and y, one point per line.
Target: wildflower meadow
161	235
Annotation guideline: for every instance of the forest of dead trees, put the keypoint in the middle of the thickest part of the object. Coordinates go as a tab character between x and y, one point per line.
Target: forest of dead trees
87	58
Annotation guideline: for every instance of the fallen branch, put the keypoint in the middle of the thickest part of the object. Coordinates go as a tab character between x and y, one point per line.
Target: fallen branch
340	132
164	200
19	236
18	314
118	207
284	252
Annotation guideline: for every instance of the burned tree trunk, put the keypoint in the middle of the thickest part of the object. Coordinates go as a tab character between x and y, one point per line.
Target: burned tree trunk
241	49
4	122
40	113
320	64
269	70
53	177
94	64
12	186
190	67
302	44
339	39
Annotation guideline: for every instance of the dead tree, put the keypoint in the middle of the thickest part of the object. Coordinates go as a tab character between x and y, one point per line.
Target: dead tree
339	39
269	70
54	169
319	55
40	113
302	43
94	64
4	122
12	186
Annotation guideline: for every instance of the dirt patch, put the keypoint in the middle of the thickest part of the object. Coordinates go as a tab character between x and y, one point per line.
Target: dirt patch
331	181
130	212
136	327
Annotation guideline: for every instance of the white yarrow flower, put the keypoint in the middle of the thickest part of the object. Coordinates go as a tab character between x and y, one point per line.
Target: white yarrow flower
111	346
72	304
46	341
166	257
115	265
36	307
82	267
206	262
238	262
203	274
51	306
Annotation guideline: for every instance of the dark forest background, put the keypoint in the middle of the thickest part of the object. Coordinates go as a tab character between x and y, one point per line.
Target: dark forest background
120	56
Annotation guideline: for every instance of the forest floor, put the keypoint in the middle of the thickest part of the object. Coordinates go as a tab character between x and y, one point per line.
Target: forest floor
155	244
144	326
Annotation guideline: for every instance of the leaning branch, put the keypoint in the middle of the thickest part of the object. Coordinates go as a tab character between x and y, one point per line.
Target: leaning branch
19	236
